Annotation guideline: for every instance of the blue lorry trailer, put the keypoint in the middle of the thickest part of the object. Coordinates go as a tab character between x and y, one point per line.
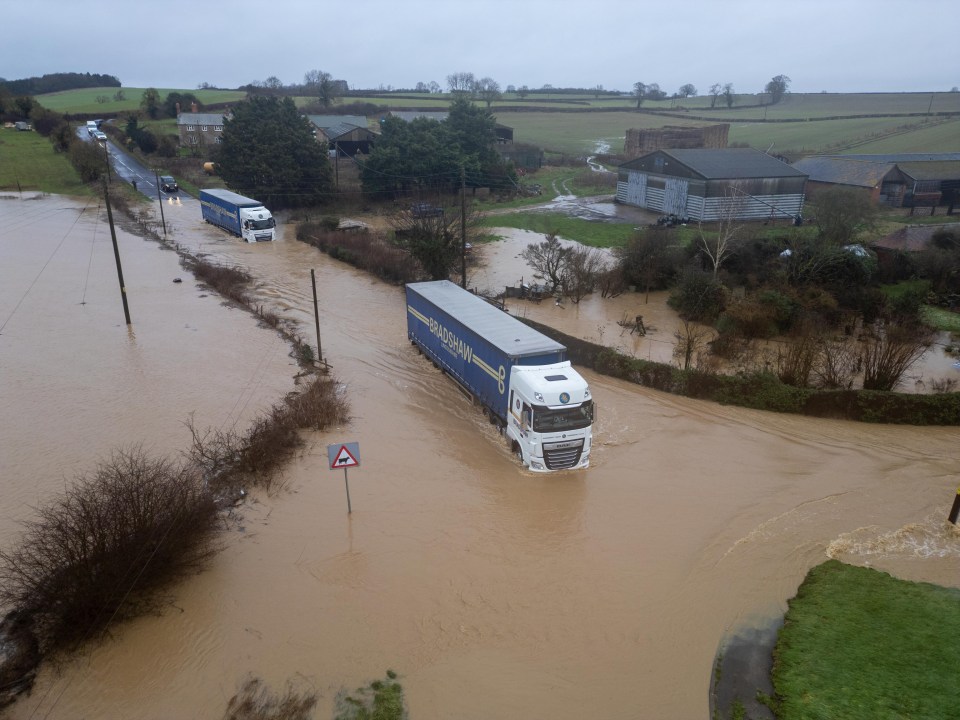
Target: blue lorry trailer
244	217
520	377
474	342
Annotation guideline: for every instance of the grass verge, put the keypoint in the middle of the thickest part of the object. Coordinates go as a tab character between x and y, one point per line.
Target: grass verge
30	163
858	643
380	700
588	232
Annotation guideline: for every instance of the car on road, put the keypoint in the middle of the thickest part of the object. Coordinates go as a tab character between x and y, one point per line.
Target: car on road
425	210
168	184
99	136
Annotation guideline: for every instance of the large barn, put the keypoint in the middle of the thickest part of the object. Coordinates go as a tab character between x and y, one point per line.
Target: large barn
896	179
708	185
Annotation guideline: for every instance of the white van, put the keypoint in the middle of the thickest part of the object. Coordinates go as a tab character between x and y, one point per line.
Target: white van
92	128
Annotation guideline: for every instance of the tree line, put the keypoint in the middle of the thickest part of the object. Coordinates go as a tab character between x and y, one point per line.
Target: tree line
57	82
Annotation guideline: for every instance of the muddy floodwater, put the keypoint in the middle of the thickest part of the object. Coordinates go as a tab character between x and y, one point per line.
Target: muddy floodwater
491	591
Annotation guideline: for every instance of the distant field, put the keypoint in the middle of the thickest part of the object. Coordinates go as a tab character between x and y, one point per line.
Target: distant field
29	159
85	101
550	124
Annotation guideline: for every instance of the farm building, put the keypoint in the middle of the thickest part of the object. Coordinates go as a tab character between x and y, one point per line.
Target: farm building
704	184
200	128
896	180
642	141
348	134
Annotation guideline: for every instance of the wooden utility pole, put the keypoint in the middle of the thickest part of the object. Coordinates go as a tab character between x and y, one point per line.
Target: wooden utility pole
463	229
163	220
316	315
116	254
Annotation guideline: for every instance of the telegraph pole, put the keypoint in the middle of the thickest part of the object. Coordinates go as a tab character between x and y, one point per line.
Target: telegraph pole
116	254
163	220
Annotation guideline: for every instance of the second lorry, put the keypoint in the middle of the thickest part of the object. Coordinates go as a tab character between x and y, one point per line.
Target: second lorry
520	377
243	216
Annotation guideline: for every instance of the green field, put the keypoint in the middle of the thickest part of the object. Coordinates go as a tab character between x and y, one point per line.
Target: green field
29	163
793	126
85	100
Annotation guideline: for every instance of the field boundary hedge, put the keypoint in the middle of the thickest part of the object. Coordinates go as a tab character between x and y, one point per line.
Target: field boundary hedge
762	391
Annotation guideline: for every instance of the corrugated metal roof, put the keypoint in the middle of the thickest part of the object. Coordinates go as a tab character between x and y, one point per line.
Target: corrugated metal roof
495	326
902	157
932	170
844	170
336	131
326	121
725	163
730	163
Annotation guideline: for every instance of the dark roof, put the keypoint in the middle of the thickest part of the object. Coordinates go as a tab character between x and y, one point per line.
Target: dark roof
844	170
932	170
902	157
911	238
335	131
186	118
728	163
326	121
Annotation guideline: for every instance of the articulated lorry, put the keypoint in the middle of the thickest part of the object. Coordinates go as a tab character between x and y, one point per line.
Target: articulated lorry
240	215
520	377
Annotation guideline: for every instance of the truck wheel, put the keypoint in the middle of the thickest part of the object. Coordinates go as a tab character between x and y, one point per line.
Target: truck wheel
515	449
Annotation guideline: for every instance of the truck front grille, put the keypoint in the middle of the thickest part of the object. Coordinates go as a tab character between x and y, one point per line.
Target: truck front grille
562	455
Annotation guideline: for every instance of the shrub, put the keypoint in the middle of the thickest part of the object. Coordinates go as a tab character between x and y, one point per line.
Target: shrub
364	250
95	554
698	296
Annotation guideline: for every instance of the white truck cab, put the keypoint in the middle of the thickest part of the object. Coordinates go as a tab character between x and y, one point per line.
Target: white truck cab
551	417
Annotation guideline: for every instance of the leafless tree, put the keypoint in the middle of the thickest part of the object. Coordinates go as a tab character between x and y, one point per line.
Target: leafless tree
487	89
322	84
715	91
728	94
889	353
581	271
719	246
461	82
797	358
547	259
690	340
836	365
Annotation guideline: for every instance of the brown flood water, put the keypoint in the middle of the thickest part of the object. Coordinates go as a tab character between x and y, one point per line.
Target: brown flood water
493	592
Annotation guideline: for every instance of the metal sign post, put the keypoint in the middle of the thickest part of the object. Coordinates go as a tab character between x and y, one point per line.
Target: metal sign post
344	455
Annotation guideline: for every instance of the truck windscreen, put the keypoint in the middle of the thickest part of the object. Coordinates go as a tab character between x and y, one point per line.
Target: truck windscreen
558	419
263	224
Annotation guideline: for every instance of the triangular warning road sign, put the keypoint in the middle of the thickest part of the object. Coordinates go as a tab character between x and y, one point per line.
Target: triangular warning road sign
344	459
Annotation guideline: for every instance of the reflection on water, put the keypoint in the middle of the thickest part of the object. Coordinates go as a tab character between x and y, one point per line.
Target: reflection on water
493	592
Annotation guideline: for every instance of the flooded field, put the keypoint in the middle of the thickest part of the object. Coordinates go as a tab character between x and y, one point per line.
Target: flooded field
491	591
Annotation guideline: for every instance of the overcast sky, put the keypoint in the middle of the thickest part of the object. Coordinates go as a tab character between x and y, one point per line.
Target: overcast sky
822	45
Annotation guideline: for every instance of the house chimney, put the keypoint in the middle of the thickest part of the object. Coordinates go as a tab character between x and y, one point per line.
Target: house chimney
193	107
178	109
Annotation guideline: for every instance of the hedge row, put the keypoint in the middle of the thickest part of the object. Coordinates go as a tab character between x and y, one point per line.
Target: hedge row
763	391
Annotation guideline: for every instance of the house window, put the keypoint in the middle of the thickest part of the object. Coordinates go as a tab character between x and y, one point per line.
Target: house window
658	164
190	127
203	128
218	128
219	139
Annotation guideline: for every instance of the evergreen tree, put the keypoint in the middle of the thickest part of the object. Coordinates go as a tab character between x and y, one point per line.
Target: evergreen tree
269	152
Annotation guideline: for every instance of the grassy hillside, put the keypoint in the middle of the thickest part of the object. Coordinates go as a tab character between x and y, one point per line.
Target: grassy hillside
85	100
29	163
